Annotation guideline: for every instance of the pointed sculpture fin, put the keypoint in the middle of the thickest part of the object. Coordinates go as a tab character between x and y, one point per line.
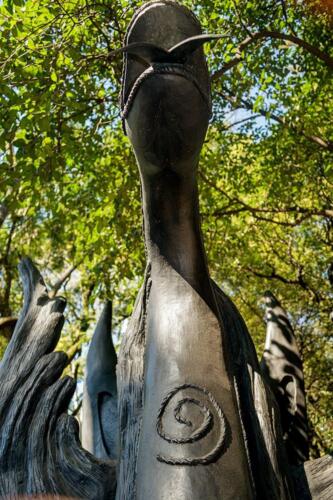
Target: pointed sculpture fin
100	421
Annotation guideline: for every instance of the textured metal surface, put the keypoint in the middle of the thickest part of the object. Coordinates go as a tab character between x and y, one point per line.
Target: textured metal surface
40	452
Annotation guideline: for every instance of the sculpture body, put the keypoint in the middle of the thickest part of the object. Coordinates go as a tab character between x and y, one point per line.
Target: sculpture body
187	370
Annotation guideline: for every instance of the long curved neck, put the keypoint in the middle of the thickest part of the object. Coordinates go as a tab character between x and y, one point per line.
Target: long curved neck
172	227
178	318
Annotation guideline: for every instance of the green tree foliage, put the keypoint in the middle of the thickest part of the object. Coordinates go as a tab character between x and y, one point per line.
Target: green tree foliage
70	194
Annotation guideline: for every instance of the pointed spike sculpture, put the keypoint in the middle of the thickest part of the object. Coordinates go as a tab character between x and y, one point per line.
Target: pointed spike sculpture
100	412
282	366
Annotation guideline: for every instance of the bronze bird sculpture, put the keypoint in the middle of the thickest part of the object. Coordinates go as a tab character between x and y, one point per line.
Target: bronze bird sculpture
189	381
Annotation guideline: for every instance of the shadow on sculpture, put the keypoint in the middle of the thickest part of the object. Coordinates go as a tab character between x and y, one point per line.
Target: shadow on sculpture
198	418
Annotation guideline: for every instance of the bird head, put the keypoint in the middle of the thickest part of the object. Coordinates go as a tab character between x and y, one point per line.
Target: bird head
165	99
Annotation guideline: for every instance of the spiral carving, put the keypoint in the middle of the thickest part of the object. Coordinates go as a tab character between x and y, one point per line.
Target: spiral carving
195	434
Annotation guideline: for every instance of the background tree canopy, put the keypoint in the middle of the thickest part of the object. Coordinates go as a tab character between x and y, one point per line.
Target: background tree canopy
69	188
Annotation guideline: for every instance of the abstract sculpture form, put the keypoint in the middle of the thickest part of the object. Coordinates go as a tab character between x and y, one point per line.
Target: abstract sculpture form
40	452
100	402
282	366
197	418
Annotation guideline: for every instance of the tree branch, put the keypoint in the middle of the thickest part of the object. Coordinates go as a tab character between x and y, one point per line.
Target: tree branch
233	208
3	213
7	321
270	34
239	122
275	276
7	325
240	19
283	210
77	409
7	272
285	15
9	242
243	103
73	351
58	284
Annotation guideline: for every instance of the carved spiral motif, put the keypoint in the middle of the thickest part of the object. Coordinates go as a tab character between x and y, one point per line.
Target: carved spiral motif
199	432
